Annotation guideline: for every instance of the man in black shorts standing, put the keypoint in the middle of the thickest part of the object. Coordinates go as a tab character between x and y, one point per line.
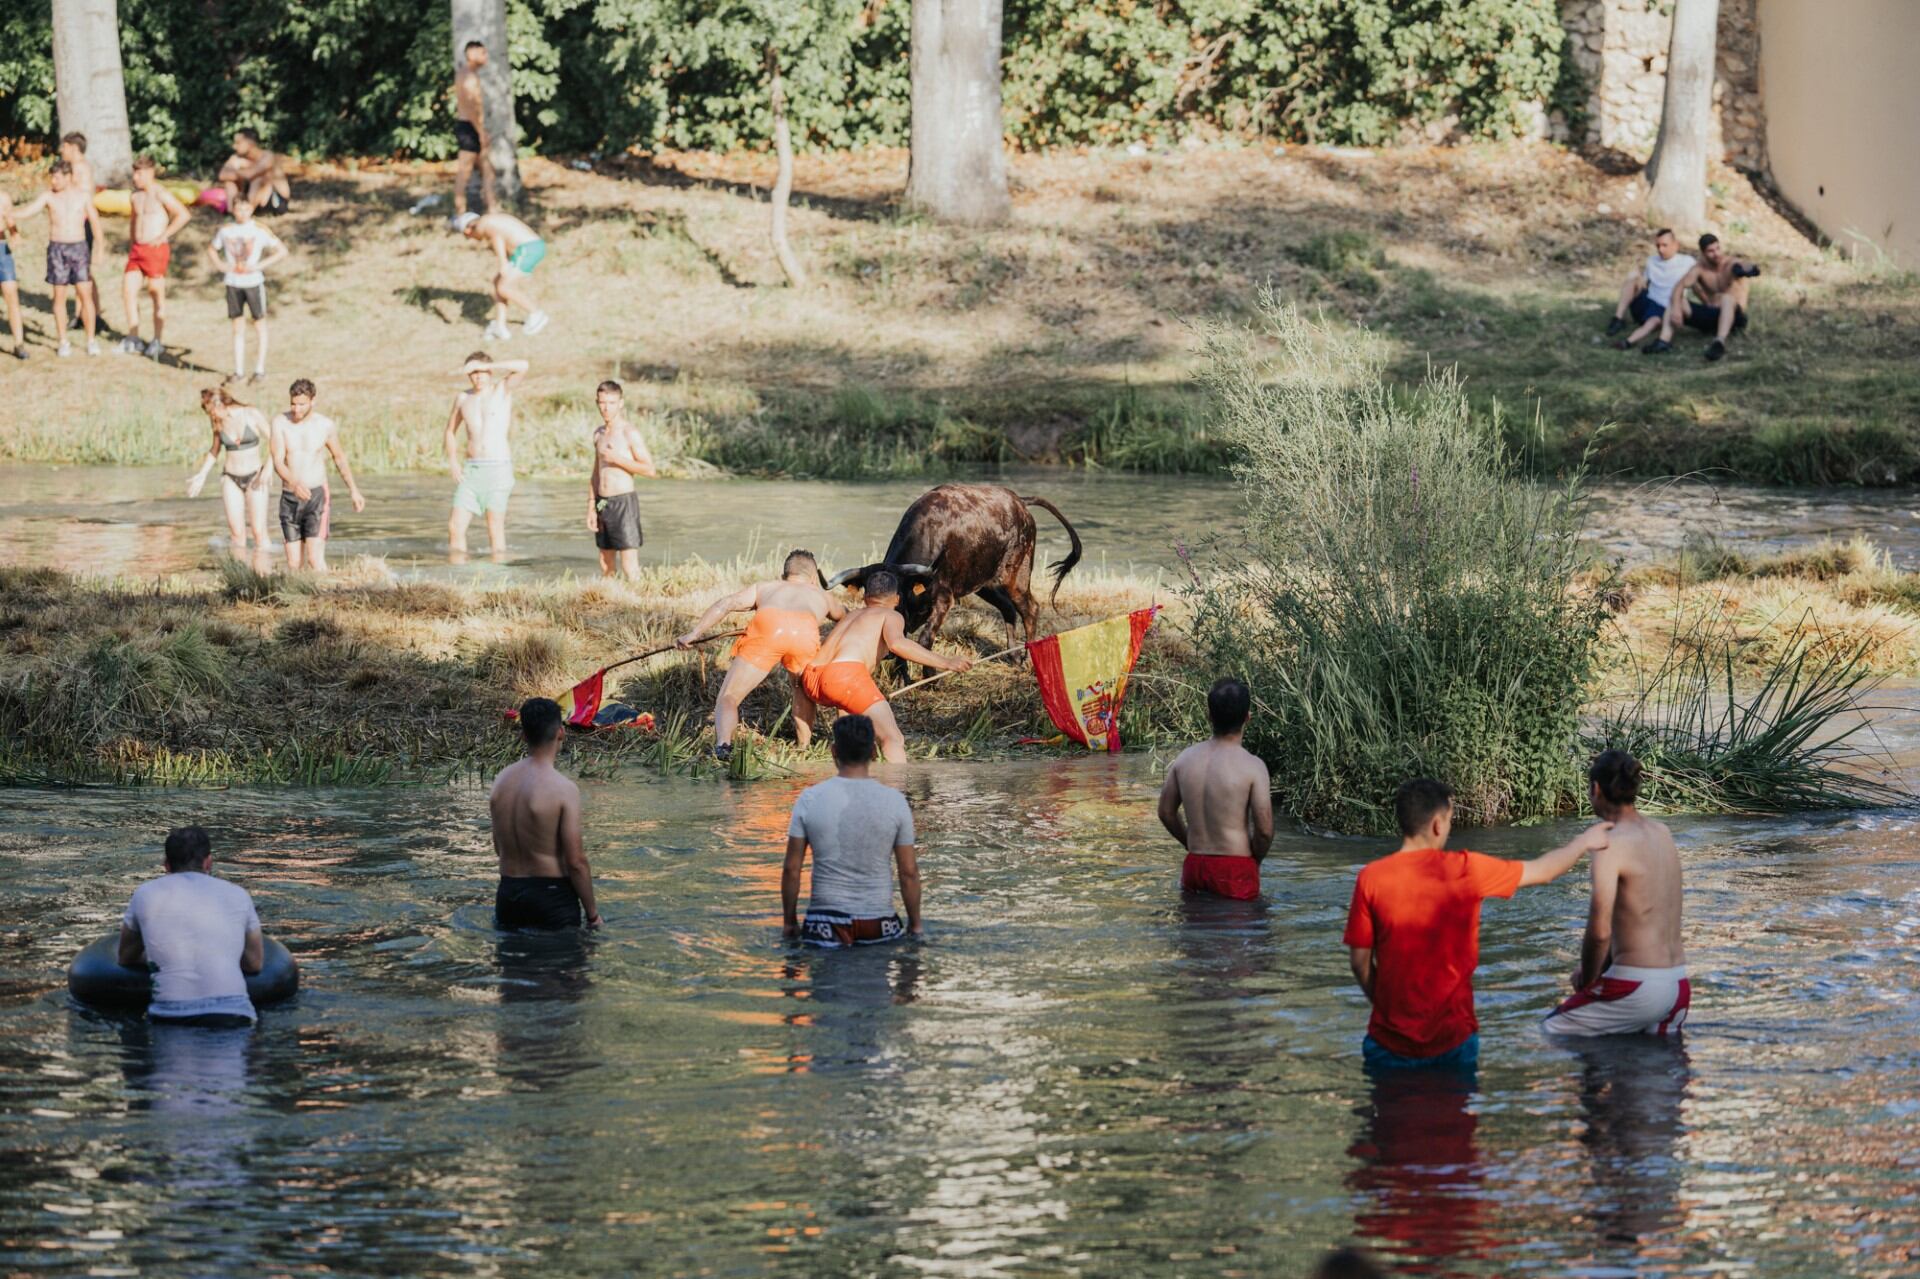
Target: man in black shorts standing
470	130
613	509
302	442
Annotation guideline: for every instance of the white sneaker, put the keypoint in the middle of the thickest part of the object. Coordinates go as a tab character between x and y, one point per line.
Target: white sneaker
154	349
66	349
93	346
536	322
499	332
129	345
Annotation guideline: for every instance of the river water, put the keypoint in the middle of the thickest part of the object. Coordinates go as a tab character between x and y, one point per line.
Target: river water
138	520
1076	1074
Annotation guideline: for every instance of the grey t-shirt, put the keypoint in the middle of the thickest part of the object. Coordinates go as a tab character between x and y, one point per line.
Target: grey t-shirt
853	824
194	927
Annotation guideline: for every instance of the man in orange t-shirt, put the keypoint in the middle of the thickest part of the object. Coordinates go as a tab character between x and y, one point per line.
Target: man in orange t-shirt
1413	931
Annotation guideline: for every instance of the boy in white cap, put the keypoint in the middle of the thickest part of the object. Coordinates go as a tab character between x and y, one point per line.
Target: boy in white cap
518	249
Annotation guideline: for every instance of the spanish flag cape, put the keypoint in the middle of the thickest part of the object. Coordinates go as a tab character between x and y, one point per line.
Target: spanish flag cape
1083	676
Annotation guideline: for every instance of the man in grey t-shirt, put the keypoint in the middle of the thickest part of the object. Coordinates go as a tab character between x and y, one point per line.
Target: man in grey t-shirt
859	830
201	934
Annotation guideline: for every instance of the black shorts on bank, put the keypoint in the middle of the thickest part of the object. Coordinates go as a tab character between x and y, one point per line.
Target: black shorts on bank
619	522
465	136
536	901
251	301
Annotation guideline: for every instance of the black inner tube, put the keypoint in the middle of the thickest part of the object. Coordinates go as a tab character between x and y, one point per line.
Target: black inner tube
97	977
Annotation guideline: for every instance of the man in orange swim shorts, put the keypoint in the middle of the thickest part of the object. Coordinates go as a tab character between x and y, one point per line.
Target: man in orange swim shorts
785	631
841	674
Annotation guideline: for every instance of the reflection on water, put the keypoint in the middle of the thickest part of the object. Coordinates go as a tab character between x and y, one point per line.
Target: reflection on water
1077	1073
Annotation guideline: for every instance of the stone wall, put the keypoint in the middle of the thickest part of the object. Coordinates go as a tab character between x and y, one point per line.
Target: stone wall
1620	48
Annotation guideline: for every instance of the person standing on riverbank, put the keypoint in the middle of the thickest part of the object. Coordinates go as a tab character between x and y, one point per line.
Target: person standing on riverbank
785	631
154	217
470	131
10	276
73	150
841	673
1413	930
860	831
613	508
1228	797
517	249
201	934
484	480
1632	978
545	881
302	440
73	229
241	251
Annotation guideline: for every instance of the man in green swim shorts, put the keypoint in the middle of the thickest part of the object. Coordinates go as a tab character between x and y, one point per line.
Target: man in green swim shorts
484	480
518	249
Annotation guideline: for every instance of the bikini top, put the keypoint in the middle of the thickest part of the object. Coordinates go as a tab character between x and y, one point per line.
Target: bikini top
249	439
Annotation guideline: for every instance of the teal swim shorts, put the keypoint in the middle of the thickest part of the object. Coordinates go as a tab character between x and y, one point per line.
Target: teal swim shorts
484	487
528	256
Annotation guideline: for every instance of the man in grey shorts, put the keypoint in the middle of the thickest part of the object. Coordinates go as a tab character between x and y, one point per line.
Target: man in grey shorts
859	830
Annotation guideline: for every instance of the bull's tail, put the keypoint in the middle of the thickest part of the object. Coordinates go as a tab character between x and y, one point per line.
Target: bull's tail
1060	567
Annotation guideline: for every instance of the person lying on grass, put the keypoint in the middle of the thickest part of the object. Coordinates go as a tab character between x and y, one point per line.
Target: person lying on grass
1711	298
1648	292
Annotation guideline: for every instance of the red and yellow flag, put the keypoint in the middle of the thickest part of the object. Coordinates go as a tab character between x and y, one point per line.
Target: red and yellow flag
579	704
1083	676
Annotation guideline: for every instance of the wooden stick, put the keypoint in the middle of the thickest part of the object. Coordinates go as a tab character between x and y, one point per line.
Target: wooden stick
668	648
943	674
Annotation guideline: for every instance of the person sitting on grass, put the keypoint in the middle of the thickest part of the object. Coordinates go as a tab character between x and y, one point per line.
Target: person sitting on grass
1720	280
1648	292
254	174
1413	930
859	830
201	934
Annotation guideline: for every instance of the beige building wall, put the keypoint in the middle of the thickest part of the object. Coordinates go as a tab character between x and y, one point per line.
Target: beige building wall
1843	116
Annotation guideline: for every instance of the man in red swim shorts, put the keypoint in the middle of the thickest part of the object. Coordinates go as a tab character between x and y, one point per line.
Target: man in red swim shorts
1228	823
841	674
155	218
785	631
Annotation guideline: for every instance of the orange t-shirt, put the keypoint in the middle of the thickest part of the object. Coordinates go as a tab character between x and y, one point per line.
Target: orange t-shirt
1419	911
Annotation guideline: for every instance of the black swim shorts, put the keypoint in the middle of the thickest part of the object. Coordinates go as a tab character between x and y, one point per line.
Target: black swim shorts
1706	317
274	203
536	901
619	522
465	136
251	300
303	521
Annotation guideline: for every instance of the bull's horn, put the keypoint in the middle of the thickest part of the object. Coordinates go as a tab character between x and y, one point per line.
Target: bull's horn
924	570
840	579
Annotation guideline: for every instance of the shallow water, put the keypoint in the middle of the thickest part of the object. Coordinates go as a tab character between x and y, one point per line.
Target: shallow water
139	521
1075	1074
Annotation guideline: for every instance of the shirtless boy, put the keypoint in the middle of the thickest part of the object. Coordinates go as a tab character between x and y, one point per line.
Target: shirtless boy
254	174
1228	797
156	217
10	276
73	149
1720	280
518	249
784	631
470	129
613	510
1649	293
72	228
1633	967
545	881
484	482
841	673
302	441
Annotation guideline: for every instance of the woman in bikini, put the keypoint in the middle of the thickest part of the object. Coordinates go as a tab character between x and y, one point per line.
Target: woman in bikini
240	445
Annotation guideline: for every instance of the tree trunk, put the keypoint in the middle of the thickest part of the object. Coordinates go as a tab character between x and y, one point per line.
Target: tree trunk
88	85
486	21
1678	169
783	178
958	170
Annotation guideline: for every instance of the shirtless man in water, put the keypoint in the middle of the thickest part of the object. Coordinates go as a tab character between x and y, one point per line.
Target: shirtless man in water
302	442
841	673
484	482
1633	967
545	881
1228	798
73	229
613	511
155	218
785	631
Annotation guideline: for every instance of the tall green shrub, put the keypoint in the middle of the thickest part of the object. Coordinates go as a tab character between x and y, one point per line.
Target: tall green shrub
1407	605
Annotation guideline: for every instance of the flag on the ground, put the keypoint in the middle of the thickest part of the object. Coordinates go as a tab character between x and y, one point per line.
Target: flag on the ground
579	704
1083	676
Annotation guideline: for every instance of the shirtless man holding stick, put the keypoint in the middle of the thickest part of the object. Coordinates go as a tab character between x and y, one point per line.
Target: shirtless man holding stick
1228	797
302	442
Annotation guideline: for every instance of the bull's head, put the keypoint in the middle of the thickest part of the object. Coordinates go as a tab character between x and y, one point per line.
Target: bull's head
916	587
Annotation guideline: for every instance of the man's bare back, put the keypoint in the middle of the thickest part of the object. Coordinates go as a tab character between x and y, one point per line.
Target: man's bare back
1639	874
1226	795
861	636
794	597
529	804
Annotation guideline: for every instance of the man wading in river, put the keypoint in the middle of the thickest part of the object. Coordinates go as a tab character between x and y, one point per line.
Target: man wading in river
1228	799
544	877
1633	968
859	830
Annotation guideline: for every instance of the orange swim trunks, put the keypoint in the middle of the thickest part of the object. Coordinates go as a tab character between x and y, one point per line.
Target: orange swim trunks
846	685
779	637
149	260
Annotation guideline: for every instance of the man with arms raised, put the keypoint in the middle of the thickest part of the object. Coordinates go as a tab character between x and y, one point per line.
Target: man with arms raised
470	130
1633	967
841	673
784	631
859	831
201	934
613	509
302	442
1413	930
253	173
545	881
1228	798
73	228
1648	294
484	481
155	218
